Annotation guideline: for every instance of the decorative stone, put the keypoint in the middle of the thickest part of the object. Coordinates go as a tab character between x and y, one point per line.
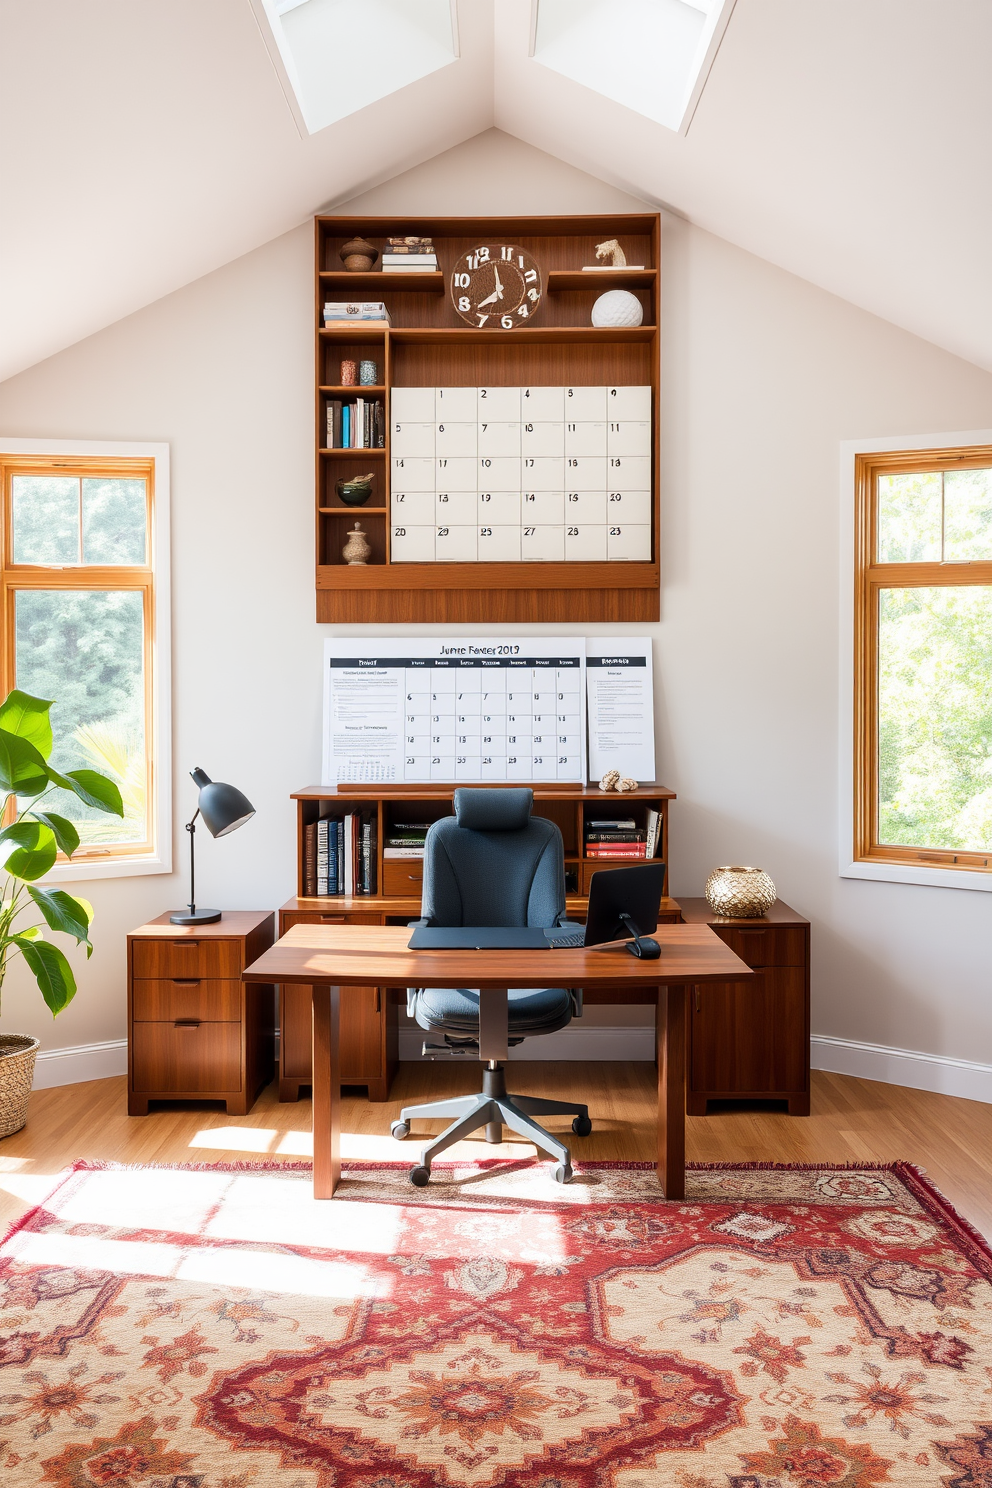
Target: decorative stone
740	893
610	780
626	784
617	307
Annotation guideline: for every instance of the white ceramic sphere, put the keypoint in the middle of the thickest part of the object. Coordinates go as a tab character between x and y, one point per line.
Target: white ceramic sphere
617	307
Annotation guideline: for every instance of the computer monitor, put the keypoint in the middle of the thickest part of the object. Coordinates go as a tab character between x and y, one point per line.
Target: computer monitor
621	895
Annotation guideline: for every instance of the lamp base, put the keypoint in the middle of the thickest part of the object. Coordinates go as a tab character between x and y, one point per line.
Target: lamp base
198	917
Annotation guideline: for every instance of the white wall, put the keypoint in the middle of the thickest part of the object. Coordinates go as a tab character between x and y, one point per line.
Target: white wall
763	375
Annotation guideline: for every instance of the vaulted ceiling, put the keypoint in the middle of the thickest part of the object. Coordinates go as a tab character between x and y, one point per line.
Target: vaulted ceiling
145	144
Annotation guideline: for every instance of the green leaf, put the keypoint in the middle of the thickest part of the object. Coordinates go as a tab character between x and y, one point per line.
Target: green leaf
91	787
51	971
35	849
64	912
23	771
65	833
27	718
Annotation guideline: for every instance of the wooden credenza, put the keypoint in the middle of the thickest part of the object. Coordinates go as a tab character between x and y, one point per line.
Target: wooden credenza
750	1040
195	1030
370	1019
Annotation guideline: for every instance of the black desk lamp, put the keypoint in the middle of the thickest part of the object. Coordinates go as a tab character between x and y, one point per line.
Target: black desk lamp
223	809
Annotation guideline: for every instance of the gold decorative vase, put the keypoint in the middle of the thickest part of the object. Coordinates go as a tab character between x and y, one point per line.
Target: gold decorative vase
740	893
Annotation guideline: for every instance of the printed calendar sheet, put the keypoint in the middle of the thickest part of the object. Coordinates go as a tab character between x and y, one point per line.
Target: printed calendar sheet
517	474
454	710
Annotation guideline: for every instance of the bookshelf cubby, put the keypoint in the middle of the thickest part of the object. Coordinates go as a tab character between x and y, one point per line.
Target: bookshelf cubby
426	344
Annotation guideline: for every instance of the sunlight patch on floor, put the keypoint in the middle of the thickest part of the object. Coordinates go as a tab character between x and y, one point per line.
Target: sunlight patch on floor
30	1188
236	1138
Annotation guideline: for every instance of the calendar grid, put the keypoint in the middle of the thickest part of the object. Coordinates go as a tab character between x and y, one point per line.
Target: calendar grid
520	474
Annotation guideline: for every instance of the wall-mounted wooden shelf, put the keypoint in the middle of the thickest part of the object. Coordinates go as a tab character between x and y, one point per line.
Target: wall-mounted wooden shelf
427	344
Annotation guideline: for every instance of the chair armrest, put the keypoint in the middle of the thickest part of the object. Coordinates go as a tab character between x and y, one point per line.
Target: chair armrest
575	993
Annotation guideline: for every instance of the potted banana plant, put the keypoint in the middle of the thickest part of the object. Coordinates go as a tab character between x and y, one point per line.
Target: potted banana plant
31	838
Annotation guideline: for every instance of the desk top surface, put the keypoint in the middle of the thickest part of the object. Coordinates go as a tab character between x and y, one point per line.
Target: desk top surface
378	955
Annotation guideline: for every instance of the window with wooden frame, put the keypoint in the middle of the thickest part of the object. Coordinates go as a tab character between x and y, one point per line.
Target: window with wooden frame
82	624
923	659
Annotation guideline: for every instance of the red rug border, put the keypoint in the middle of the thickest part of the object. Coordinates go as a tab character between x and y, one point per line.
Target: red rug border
915	1178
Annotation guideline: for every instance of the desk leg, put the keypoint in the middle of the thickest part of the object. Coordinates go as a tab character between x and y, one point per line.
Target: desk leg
493	1023
326	1091
671	1091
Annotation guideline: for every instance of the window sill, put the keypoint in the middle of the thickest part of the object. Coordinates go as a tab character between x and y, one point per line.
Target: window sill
110	867
933	878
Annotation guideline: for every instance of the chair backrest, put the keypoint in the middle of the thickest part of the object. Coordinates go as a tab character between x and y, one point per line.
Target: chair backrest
493	863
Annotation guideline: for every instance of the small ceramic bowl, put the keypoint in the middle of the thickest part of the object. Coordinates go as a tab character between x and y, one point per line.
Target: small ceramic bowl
354	492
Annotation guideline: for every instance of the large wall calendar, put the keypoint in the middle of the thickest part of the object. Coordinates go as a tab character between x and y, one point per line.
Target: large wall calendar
517	474
477	709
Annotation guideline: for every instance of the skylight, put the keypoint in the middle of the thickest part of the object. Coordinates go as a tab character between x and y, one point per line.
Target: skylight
335	57
653	56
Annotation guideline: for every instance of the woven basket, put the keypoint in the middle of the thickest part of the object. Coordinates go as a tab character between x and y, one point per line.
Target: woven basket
17	1056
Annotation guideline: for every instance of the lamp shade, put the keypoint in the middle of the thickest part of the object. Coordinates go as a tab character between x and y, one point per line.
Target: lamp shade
223	808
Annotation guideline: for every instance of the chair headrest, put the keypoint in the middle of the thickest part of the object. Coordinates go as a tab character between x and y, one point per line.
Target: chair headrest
493	810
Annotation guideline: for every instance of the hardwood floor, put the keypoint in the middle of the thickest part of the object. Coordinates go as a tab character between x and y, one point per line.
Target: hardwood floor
852	1120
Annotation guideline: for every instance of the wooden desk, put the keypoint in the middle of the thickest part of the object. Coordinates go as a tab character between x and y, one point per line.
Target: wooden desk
329	957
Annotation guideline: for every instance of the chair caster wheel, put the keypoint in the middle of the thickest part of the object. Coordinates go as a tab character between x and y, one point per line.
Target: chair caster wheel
563	1173
399	1130
582	1126
420	1176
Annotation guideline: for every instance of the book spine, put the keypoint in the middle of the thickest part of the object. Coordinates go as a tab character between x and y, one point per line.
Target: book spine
321	885
654	823
630	836
349	855
366	857
635	850
339	856
403	852
346	426
374	855
310	860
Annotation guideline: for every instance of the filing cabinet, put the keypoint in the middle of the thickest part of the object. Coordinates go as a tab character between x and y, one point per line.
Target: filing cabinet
195	1030
750	1040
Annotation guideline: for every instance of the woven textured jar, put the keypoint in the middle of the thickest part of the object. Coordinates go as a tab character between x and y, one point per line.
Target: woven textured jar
740	893
17	1056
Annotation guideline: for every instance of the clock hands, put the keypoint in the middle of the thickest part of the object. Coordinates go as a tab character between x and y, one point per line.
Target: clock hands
499	287
489	299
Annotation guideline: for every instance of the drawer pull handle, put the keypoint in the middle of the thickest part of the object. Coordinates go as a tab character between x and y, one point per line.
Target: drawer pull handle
752	932
184	944
414	877
332	919
185	981
187	1023
378	999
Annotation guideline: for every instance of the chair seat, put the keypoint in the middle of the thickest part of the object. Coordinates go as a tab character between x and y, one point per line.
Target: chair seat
529	1009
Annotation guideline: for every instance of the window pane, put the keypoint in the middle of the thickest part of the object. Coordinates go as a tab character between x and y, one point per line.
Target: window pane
85	649
46	518
909	518
935	718
113	521
967	515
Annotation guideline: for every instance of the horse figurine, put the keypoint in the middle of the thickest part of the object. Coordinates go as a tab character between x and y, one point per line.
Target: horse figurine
618	259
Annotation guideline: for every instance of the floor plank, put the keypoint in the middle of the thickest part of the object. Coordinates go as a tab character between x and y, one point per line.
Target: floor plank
851	1121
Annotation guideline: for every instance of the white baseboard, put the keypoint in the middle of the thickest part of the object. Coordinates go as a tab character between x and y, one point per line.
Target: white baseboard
85	1062
568	1043
936	1072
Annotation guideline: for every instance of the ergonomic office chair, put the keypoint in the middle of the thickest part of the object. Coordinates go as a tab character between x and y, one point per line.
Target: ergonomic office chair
493	863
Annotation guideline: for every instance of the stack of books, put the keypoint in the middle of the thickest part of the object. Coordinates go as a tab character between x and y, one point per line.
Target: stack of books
406	840
346	312
357	425
620	837
339	855
409	256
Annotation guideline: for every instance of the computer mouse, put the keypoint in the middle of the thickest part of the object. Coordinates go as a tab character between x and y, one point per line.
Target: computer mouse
646	948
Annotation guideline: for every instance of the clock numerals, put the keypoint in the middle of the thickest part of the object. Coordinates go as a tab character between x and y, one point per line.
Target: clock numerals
496	286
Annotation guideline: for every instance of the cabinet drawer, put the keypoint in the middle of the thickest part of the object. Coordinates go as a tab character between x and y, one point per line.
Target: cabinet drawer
766	945
402	875
192	1058
205	998
186	958
319	917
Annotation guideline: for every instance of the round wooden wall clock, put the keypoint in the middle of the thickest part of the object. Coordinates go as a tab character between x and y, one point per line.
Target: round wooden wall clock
497	286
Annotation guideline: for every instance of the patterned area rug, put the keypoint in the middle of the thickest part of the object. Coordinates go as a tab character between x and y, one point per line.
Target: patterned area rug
217	1328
